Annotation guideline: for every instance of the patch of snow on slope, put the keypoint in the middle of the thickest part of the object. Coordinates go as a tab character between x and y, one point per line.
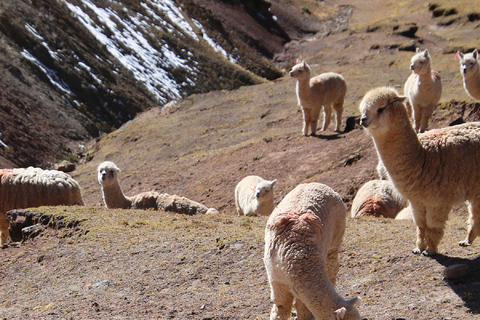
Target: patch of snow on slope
212	43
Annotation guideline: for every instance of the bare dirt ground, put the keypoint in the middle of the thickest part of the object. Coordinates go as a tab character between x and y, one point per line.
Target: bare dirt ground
126	264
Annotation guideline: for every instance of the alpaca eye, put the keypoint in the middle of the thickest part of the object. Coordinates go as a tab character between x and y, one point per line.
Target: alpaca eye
380	110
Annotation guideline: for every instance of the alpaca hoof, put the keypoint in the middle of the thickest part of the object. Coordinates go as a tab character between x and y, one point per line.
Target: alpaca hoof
417	251
464	243
429	253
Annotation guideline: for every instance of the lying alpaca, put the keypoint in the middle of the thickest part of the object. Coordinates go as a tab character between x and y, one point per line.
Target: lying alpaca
115	199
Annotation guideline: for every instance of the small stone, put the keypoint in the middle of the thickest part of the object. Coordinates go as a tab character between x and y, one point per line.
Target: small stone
455	271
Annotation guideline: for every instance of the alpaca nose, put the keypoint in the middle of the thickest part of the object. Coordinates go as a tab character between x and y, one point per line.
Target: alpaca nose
412	67
364	121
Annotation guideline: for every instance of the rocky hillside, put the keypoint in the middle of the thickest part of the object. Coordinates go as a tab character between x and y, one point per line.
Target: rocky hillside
73	70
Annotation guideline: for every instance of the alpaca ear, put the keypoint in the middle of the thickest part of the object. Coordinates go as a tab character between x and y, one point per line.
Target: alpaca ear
459	54
400	99
418	50
297	62
272	183
475	54
426	53
340	313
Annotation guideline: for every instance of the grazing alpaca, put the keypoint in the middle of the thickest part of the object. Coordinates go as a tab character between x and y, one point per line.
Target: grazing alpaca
254	196
302	239
34	187
434	170
327	90
470	70
115	199
423	89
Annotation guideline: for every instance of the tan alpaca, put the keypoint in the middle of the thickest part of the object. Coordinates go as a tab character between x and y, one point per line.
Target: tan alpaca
434	170
470	70
34	187
423	89
302	240
326	90
115	199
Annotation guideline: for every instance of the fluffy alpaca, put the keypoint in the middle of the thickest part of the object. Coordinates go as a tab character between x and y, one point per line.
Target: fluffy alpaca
434	170
423	89
115	199
378	198
34	187
327	90
254	196
470	70
302	240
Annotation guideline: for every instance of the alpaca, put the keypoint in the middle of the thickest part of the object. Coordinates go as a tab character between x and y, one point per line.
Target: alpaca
471	73
378	198
434	170
115	199
327	90
34	187
423	89
254	196
303	236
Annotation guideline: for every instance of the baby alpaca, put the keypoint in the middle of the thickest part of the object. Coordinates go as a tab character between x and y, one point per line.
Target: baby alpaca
115	199
254	196
34	187
423	89
302	240
434	170
378	198
327	90
471	73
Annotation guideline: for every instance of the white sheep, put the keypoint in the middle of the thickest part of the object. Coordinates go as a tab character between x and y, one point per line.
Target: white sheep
302	240
434	170
115	199
254	196
34	187
327	90
423	89
470	70
378	198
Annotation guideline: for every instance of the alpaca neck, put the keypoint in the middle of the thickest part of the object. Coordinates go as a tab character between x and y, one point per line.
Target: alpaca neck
303	87
425	79
401	152
472	84
114	197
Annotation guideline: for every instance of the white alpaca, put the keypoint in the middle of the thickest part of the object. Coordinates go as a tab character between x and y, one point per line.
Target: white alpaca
470	70
254	196
423	89
115	199
302	240
34	187
327	90
378	198
434	170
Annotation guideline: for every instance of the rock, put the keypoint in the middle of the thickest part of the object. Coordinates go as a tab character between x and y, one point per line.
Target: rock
32	231
65	166
455	271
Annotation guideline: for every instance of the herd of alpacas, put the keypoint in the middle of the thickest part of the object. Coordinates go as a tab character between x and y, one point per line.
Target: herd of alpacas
421	177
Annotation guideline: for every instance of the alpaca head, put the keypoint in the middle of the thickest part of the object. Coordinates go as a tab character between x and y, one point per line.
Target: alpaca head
300	71
107	173
468	63
381	109
264	189
421	62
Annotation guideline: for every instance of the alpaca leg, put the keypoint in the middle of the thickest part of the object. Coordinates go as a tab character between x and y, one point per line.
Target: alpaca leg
338	117
419	218
302	311
332	265
307	118
4	225
282	302
473	223
426	114
436	219
327	116
417	114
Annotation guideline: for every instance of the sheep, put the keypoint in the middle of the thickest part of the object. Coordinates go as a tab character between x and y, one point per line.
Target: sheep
254	196
434	170
114	198
378	198
423	89
471	73
327	90
33	187
303	236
